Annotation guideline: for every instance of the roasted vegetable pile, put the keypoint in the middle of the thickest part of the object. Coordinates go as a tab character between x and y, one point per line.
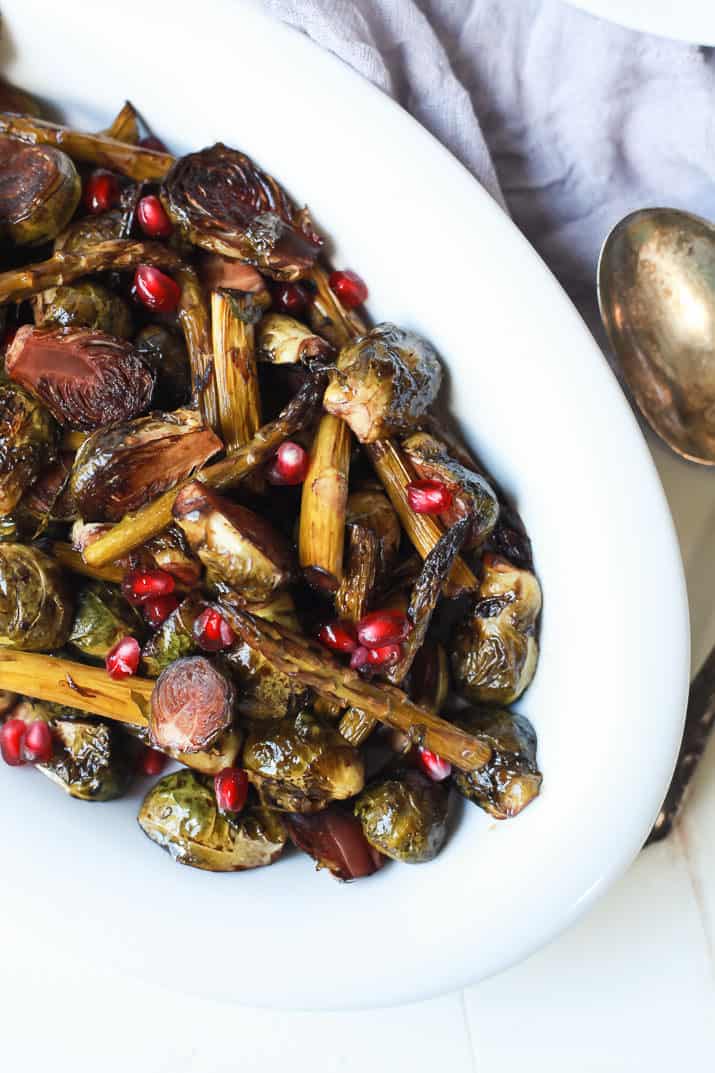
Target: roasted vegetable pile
232	532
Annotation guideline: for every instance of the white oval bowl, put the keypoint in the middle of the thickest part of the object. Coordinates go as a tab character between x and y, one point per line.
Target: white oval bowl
539	403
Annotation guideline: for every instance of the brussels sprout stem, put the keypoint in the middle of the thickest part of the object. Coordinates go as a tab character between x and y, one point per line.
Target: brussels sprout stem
324	504
236	377
62	681
307	662
149	521
352	599
124	127
424	530
61	268
66	556
99	149
194	318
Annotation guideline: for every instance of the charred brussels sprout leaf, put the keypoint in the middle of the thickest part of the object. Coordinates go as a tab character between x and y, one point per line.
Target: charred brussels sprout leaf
164	352
301	764
234	543
119	468
384	382
220	200
404	817
180	814
471	492
39	193
35	604
28	443
494	653
50	499
283	340
101	619
84	305
263	693
92	761
511	779
86	379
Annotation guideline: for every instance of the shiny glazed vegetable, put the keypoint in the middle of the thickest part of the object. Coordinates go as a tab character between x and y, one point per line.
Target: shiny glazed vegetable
511	779
28	442
404	816
84	305
35	602
91	761
180	814
39	192
102	617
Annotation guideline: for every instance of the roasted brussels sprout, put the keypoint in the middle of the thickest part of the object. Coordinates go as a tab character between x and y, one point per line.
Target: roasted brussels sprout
494	653
84	305
220	200
300	764
511	779
282	340
28	443
89	231
180	814
191	705
164	352
39	192
373	510
334	839
404	816
471	492
35	604
263	693
86	379
92	761
383	382
102	617
174	638
169	551
123	466
236	544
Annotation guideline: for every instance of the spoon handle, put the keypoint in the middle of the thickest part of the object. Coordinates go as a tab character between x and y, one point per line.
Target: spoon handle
698	724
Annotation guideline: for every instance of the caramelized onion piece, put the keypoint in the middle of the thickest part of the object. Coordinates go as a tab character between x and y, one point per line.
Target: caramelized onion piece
335	840
121	467
191	704
39	191
86	379
226	204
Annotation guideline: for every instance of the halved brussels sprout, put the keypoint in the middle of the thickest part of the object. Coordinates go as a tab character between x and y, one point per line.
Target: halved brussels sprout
404	816
39	193
223	202
28	442
191	705
164	352
384	382
494	653
471	492
35	603
300	764
119	468
84	305
180	814
88	231
511	779
92	761
102	617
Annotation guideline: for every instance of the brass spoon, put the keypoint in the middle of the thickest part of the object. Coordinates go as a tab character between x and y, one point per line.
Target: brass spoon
656	292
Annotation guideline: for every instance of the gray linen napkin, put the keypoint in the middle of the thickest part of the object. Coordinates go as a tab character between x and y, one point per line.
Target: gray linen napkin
568	120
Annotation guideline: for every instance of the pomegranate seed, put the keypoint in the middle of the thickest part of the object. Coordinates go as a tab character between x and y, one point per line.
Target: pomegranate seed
151	762
382	628
290	298
290	464
101	192
231	787
150	141
429	497
212	632
123	659
384	656
359	658
156	290
158	608
38	747
141	585
340	636
12	739
350	289
434	765
152	217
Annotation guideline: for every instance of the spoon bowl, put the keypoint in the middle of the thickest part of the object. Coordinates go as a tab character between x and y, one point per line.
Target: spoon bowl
656	292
